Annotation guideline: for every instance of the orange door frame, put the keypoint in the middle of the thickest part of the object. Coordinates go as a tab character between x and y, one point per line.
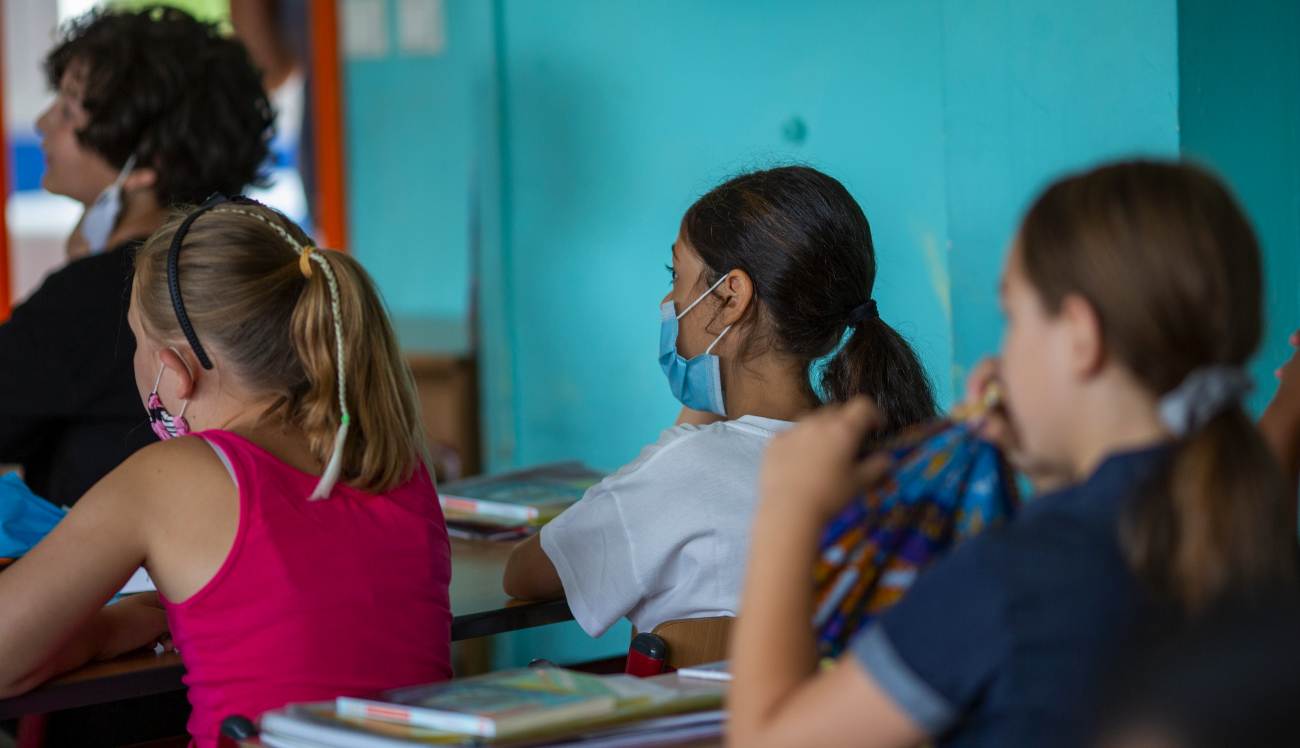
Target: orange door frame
328	116
327	98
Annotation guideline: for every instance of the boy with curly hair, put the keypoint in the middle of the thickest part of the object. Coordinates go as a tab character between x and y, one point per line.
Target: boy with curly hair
152	108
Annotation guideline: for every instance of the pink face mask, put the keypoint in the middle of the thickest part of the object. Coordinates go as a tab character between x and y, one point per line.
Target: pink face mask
163	423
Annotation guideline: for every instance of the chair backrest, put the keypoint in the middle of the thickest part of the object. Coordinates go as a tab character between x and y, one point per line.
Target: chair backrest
695	641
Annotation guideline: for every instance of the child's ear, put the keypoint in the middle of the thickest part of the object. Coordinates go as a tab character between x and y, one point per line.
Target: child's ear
186	377
140	178
738	292
1085	344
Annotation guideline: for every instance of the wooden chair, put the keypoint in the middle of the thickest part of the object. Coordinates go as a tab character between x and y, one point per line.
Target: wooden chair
695	641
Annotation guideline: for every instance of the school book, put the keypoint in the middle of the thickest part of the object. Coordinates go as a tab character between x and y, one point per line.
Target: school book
319	726
471	527
532	496
639	704
497	704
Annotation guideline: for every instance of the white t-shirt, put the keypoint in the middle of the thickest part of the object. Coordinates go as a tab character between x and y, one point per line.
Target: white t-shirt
667	536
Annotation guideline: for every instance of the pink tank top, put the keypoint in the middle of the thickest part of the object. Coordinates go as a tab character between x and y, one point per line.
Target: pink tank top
317	599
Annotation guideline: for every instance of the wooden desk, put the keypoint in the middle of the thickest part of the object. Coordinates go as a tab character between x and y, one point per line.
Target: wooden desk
478	606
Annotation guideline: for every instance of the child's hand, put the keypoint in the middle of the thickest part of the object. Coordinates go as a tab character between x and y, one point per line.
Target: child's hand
997	428
1280	423
1284	409
814	467
133	623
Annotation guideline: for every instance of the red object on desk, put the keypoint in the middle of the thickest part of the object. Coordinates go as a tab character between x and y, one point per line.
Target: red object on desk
647	656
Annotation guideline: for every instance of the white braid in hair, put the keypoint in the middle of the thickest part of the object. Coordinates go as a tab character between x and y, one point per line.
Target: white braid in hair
307	255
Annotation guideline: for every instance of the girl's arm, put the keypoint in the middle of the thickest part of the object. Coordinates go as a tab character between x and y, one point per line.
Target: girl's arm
530	575
52	614
778	696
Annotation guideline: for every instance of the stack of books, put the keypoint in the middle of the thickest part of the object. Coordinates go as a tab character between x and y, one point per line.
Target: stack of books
513	505
516	708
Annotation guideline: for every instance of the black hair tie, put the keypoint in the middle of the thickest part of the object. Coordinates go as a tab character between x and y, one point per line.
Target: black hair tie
173	272
864	312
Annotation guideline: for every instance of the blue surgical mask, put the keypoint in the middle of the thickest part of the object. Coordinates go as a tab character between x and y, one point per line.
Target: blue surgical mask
696	383
101	217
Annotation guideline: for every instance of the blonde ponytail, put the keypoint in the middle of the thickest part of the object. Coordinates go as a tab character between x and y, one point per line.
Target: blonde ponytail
313	339
364	358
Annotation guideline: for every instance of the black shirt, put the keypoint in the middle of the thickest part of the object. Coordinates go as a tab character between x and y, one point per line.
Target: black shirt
69	408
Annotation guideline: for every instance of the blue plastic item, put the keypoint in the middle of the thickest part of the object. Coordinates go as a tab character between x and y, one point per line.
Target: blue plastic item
25	518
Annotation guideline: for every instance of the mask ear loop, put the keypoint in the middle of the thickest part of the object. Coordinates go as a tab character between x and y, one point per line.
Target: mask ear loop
704	295
125	172
178	420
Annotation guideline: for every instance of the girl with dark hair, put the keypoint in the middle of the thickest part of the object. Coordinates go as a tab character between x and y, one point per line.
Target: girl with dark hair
770	315
151	108
1132	297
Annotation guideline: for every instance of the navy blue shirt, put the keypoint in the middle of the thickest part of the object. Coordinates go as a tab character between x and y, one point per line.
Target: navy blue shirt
1002	643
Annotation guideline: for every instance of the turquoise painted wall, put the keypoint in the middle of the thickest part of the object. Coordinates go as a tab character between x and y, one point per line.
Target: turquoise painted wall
1034	89
580	131
416	125
618	115
1239	81
942	117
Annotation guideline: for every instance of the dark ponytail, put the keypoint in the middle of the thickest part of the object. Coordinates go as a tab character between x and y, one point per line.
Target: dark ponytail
806	244
1171	267
878	362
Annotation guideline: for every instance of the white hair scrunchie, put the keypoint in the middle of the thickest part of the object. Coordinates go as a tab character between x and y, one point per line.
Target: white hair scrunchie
1203	394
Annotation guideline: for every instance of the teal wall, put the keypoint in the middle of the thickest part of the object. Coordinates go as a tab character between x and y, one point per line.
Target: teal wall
415	128
1239	83
618	115
1032	90
578	131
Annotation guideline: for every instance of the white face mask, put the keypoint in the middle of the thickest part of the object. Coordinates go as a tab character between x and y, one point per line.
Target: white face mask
101	216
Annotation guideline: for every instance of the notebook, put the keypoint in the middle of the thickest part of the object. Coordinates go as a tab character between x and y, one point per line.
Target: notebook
501	704
533	496
647	712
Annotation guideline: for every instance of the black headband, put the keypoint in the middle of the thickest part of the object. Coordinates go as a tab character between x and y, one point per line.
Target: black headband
173	271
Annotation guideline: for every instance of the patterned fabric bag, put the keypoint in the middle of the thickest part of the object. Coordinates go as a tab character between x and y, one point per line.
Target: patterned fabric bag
946	485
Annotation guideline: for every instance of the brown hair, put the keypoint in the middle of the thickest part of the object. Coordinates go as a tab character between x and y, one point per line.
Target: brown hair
249	302
1171	267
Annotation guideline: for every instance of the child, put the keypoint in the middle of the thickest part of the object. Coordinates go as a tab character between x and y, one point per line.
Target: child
291	526
771	273
1132	297
152	108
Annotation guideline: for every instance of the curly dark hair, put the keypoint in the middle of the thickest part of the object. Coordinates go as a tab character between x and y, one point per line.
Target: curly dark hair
173	90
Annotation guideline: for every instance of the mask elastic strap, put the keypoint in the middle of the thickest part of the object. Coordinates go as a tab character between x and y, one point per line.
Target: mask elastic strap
717	340
125	172
158	379
704	296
